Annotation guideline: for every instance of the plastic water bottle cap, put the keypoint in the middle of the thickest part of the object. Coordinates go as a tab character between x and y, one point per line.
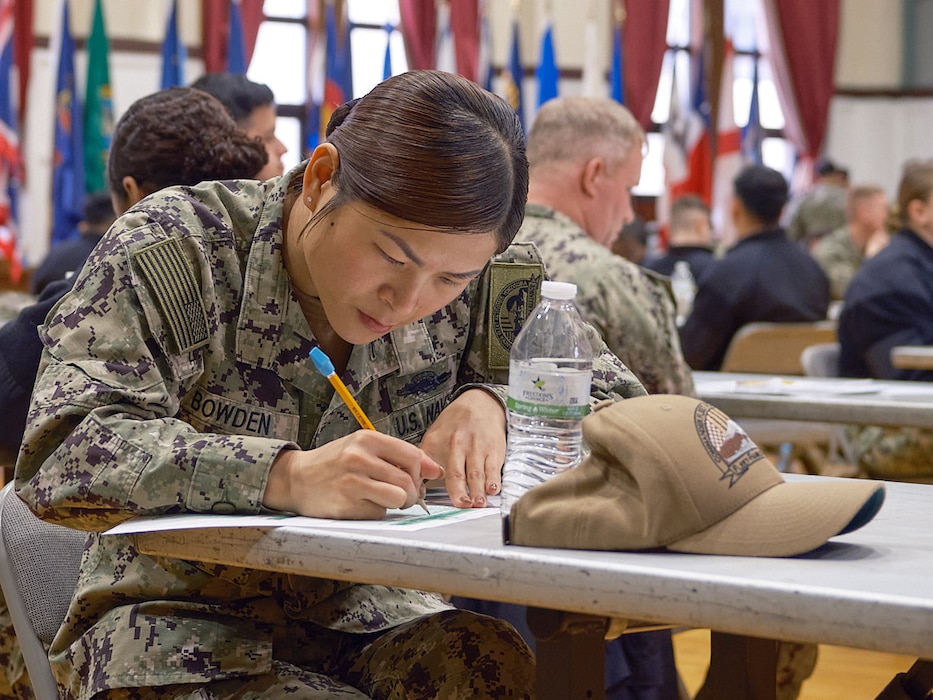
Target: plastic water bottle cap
558	290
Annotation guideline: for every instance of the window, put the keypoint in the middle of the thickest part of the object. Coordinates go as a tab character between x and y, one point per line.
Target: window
280	59
741	25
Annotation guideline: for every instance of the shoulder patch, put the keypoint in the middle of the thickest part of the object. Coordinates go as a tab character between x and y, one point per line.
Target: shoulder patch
173	283
513	293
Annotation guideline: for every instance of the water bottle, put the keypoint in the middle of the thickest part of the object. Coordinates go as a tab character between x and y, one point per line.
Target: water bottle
684	288
550	373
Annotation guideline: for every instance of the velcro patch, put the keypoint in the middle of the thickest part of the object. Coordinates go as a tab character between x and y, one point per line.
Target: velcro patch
513	293
173	283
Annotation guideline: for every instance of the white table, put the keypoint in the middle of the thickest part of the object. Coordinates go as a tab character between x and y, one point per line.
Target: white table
912	356
823	399
870	589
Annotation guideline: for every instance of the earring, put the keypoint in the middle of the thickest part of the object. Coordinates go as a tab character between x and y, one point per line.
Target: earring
308	200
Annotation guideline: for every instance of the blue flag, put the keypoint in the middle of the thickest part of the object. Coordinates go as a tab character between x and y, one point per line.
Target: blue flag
338	68
617	73
173	53
387	61
752	133
236	52
547	69
514	76
68	161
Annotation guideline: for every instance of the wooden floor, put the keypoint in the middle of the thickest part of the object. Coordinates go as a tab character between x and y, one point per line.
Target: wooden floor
841	672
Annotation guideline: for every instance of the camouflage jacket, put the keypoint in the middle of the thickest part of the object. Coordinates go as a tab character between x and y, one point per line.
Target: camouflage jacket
839	258
632	308
173	374
818	212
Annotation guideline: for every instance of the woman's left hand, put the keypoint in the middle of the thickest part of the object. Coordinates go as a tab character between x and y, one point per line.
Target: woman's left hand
468	440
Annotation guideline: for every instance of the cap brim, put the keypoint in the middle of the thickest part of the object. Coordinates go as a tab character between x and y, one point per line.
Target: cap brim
789	518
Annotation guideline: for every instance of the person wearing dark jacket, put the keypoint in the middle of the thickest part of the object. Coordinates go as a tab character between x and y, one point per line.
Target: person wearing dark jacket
763	277
65	259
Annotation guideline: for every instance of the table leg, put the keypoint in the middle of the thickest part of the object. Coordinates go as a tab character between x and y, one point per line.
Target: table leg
571	654
915	684
740	668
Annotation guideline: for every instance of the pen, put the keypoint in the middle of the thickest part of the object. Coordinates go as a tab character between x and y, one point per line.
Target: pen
326	367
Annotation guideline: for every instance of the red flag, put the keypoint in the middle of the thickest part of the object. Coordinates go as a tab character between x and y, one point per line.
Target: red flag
10	160
687	159
687	147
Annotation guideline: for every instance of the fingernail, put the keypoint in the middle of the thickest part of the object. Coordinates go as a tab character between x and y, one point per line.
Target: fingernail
480	501
493	488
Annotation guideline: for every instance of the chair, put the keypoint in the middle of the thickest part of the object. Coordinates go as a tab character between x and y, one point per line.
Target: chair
775	348
820	360
39	564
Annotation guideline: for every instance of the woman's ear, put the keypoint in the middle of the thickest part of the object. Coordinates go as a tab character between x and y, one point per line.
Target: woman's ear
134	192
321	167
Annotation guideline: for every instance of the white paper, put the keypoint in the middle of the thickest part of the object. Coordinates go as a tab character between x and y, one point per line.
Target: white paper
783	386
410	519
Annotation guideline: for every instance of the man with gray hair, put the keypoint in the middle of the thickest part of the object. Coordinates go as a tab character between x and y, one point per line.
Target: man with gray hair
585	156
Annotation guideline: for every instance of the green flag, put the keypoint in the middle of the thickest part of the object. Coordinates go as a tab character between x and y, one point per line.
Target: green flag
98	106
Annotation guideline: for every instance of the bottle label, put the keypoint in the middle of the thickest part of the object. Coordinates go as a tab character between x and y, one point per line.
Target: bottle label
551	393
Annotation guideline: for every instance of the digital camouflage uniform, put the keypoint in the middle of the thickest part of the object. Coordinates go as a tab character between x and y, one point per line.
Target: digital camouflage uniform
632	308
821	210
839	258
173	375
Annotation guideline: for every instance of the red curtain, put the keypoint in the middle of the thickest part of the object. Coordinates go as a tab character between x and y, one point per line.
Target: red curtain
419	30
644	38
22	28
215	28
464	24
803	36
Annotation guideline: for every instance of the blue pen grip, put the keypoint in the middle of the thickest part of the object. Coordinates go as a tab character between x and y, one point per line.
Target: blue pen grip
322	362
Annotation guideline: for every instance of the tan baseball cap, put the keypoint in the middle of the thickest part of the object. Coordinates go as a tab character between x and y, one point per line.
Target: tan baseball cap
673	472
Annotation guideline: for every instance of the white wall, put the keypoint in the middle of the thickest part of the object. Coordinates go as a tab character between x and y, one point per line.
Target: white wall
874	136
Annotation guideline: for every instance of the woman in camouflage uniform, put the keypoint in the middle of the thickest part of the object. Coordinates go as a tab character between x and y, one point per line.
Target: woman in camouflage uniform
157	143
176	378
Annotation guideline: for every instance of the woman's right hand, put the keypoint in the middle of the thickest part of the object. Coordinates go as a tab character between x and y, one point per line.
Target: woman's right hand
358	476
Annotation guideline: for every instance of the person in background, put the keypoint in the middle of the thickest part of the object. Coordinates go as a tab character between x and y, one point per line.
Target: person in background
585	156
890	299
763	277
155	144
888	303
175	136
822	208
67	257
252	106
842	252
377	251
690	238
632	241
